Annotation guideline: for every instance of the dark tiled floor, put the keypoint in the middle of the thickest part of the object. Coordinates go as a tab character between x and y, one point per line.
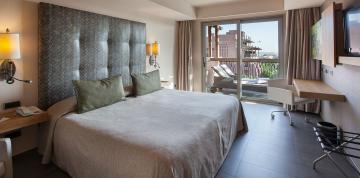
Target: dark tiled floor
271	149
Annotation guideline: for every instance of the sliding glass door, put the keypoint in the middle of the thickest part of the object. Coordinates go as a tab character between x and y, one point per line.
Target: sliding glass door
239	57
221	58
261	59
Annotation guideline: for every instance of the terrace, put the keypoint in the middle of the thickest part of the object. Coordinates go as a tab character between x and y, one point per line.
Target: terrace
224	68
254	76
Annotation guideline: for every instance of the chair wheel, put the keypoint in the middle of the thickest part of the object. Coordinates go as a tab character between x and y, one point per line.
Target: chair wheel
272	116
291	123
285	114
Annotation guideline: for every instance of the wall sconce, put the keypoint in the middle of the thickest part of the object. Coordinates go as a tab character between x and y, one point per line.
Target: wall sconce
150	54
153	51
9	50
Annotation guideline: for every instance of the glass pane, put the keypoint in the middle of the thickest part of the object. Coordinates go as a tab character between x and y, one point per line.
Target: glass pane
262	39
260	50
221	58
228	41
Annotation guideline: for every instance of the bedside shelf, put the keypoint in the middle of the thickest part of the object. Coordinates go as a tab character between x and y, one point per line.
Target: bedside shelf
17	122
316	89
355	61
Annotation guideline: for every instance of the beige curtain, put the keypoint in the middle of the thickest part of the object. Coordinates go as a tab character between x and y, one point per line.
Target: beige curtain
298	49
184	55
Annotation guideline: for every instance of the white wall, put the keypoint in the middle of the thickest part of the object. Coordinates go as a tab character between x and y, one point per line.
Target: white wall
11	18
345	78
21	16
165	34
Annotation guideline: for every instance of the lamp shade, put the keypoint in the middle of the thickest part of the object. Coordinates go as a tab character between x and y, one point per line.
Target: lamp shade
156	48
9	46
148	49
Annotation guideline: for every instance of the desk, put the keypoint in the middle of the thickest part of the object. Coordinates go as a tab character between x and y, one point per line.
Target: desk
17	122
316	89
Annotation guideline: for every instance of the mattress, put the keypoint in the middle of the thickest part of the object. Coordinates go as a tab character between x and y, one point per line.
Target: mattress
165	134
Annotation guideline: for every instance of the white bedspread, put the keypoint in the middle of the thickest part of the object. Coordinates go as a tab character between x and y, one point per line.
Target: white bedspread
165	134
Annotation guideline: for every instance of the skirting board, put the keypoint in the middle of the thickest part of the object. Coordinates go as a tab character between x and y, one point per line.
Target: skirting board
349	60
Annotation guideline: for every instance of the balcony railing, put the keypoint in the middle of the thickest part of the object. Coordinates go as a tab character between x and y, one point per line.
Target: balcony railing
253	68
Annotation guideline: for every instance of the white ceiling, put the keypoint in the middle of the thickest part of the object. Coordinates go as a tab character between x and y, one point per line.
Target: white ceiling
142	10
288	4
198	3
138	10
297	4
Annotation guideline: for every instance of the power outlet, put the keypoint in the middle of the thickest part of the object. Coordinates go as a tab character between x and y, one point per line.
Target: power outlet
10	105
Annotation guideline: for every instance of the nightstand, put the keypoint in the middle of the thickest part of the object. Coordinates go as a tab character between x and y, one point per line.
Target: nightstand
167	84
17	121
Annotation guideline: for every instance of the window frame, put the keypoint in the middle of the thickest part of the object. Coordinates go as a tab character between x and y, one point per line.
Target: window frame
281	31
281	36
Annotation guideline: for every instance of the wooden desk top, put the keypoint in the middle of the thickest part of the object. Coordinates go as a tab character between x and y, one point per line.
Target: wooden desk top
17	122
317	90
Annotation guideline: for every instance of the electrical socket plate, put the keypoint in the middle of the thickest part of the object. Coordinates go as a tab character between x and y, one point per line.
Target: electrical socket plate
10	105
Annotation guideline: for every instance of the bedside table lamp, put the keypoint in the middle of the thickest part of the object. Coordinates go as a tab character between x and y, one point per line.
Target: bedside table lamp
9	50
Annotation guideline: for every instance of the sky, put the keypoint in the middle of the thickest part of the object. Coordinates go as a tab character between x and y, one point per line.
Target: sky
264	34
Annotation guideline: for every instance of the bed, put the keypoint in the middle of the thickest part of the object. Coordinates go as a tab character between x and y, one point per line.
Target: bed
167	133
164	134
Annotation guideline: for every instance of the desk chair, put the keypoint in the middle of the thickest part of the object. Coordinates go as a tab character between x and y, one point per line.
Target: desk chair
279	91
5	158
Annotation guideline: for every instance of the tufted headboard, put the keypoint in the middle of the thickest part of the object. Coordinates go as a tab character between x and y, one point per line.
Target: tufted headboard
75	44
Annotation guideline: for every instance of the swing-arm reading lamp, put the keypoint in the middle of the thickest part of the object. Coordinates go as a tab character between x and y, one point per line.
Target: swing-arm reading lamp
9	50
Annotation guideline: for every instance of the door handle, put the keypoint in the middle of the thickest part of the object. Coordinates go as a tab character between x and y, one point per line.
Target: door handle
204	61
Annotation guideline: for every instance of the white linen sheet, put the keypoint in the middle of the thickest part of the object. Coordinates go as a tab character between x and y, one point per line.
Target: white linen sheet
165	134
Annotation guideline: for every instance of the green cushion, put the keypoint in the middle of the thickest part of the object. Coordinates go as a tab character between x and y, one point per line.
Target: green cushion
147	82
93	94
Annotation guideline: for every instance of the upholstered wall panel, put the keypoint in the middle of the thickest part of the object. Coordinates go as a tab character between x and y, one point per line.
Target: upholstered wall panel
76	44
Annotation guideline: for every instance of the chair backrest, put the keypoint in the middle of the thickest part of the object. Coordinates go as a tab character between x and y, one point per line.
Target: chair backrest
220	71
280	91
6	157
227	70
